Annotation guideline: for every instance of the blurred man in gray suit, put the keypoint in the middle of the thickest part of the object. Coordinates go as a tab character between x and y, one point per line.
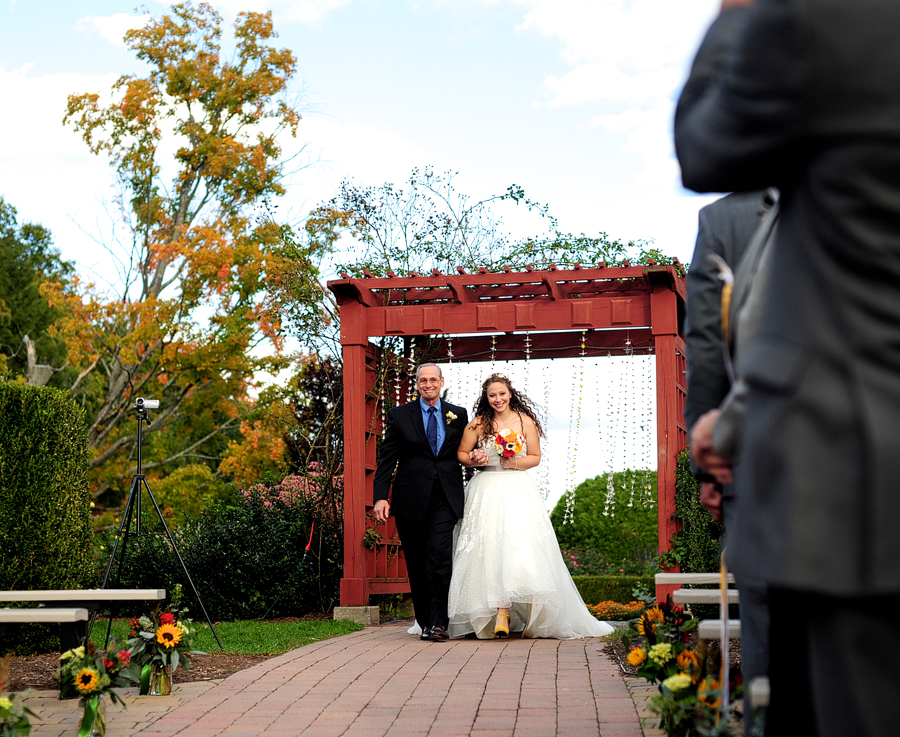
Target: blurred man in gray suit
805	95
725	228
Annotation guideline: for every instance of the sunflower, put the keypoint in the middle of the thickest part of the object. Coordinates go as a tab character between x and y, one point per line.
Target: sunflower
168	635
710	700
688	662
647	623
87	680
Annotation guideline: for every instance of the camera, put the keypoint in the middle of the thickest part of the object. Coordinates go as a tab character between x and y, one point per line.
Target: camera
141	403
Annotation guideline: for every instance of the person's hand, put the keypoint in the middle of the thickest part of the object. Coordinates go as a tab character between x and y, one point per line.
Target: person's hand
509	463
711	498
478	457
702	448
382	510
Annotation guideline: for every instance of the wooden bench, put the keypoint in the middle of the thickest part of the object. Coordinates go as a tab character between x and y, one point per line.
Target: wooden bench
44	614
703	596
711	629
73	631
691	578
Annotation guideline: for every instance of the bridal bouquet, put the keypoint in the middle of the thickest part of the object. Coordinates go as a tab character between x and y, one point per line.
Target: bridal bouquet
509	443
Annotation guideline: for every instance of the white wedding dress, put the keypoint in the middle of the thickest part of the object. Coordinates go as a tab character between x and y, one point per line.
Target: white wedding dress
506	554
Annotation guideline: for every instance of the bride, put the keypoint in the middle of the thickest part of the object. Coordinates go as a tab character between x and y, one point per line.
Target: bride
508	572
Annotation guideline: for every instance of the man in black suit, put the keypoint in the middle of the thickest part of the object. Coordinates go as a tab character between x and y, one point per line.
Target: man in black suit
804	95
420	440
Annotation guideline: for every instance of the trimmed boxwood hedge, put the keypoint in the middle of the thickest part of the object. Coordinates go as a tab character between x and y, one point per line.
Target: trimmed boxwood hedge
595	589
45	505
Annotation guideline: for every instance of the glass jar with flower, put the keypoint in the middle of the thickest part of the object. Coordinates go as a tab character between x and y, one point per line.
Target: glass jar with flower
94	674
160	642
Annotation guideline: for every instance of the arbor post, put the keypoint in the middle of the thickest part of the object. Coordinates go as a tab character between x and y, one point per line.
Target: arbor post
671	436
354	342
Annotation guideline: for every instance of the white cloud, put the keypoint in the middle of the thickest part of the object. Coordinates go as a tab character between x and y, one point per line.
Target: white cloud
301	11
112	27
48	174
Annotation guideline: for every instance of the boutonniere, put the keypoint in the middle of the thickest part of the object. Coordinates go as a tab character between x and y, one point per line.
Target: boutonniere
450	417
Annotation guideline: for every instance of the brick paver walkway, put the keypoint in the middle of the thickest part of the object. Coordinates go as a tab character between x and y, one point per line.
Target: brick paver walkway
381	681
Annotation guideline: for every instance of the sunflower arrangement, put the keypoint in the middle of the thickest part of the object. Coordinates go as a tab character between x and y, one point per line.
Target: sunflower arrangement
91	673
14	714
689	702
159	642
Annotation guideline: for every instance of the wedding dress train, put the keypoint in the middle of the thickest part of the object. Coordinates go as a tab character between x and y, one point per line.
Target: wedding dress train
506	554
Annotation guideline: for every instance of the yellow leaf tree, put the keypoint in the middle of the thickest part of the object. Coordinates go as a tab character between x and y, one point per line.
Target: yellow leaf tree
195	149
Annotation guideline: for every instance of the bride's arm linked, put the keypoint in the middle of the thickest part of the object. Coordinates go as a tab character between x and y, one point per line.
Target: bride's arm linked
467	453
532	448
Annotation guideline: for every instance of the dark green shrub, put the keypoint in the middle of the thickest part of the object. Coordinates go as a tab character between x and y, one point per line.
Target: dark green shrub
616	528
246	556
45	506
594	589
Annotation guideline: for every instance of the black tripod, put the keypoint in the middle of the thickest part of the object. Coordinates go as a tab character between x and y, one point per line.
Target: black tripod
133	509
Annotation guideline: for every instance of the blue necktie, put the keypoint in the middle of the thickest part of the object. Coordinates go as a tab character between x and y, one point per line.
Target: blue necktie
431	430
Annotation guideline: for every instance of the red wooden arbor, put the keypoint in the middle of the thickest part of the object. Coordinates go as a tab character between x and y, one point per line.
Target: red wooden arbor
612	310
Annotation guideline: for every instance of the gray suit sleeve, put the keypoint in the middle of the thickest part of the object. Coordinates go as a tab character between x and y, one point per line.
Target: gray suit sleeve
707	381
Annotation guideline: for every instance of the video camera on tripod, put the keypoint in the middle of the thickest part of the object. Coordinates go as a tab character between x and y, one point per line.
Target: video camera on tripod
132	511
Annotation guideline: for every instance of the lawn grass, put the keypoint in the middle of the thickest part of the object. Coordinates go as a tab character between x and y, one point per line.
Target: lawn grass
248	637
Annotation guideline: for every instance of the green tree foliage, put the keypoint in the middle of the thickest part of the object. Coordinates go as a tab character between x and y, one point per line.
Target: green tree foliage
429	225
194	144
316	402
617	522
27	260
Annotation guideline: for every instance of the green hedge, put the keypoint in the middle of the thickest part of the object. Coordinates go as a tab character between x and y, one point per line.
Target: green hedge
594	589
45	505
618	530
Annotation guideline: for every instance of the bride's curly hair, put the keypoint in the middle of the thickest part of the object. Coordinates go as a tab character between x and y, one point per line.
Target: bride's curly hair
518	402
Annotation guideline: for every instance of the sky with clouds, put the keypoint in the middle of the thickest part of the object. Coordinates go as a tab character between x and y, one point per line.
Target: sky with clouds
571	99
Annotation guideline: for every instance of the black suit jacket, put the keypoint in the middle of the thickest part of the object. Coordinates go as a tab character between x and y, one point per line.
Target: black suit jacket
406	448
805	96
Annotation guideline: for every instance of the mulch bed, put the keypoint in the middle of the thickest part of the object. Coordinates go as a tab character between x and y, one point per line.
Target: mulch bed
36	671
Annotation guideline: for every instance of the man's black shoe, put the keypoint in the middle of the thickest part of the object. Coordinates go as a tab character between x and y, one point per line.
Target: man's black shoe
438	633
426	634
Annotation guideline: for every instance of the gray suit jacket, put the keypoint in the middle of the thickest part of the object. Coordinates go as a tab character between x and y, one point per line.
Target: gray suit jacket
805	96
725	227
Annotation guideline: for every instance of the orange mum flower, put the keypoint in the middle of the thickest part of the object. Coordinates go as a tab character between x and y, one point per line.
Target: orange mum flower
637	657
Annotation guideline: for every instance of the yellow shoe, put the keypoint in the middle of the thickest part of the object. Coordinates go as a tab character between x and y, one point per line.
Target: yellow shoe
501	627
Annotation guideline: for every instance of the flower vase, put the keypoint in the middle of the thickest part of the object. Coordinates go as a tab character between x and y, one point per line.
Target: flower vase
93	717
160	680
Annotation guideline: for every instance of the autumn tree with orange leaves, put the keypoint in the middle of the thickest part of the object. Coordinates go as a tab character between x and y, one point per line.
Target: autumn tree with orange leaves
198	314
